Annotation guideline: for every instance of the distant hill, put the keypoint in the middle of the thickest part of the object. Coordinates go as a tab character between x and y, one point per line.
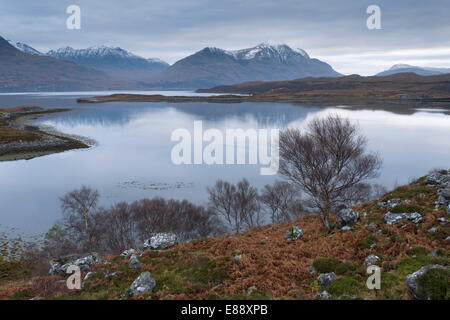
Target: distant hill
266	62
20	71
403	86
114	61
405	68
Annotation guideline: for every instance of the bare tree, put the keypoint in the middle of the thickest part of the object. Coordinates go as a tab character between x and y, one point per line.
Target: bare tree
82	202
237	204
80	222
281	200
327	161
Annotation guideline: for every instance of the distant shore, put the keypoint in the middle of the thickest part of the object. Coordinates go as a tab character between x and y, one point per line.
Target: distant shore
281	98
21	141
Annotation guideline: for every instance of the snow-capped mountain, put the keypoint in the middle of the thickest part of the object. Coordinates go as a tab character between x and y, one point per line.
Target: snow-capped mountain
264	62
25	69
112	60
281	52
423	71
25	48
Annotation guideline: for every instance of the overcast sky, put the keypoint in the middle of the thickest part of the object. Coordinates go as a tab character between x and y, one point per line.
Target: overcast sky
413	31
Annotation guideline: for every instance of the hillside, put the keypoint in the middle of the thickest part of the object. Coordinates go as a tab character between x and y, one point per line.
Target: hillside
403	86
21	71
266	62
401	232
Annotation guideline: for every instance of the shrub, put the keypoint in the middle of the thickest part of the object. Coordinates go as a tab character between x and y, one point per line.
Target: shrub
434	284
325	265
344	286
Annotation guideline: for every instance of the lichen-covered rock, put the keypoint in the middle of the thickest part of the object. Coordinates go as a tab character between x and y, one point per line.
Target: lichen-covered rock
59	267
134	262
128	253
346	228
143	284
371	259
161	241
325	279
428	284
394	218
293	234
346	216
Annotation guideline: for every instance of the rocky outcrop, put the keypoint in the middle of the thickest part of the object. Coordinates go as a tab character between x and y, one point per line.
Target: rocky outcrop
128	253
134	262
161	241
394	218
293	234
59	267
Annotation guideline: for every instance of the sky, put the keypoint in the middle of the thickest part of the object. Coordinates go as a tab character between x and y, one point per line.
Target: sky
412	31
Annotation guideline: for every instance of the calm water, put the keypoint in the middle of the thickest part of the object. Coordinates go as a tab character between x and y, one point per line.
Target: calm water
132	158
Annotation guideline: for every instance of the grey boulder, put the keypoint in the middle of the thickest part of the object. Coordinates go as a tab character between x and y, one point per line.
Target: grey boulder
394	218
143	284
371	259
346	216
325	279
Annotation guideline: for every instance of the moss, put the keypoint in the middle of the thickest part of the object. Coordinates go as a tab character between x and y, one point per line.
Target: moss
349	268
344	286
434	284
325	265
410	265
367	243
406	209
418	251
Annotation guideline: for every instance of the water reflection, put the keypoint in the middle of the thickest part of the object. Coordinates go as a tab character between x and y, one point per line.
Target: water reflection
133	155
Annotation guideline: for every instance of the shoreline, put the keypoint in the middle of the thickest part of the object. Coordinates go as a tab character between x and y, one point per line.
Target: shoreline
233	98
31	141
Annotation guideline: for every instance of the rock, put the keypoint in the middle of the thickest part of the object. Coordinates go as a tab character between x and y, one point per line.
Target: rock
293	234
437	178
415	217
371	259
128	253
346	228
371	226
394	218
238	257
325	279
346	217
311	269
448	208
412	281
88	275
161	241
389	204
251	290
433	229
441	220
134	262
323	295
111	275
59	267
143	284
437	252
